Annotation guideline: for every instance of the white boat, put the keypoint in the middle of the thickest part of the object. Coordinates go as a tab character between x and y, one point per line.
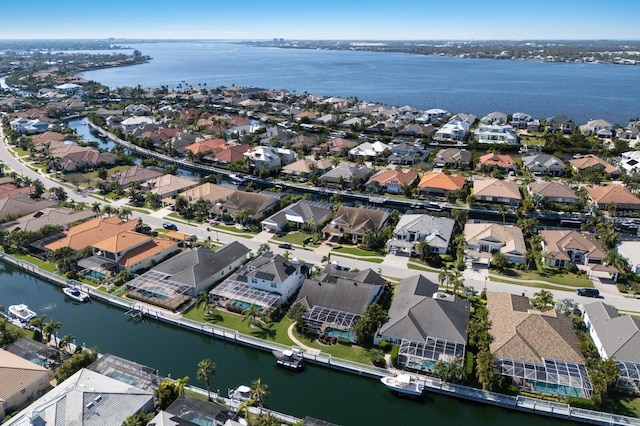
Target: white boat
242	393
290	358
22	313
404	384
76	294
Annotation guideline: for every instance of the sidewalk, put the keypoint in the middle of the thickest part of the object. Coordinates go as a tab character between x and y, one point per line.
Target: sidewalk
312	351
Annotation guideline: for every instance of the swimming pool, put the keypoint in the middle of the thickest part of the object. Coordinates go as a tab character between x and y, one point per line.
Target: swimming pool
345	334
157	292
556	389
243	305
96	275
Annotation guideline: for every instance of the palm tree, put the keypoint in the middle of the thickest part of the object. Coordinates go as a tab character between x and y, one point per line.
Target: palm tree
181	204
424	249
38	323
64	257
259	392
180	384
66	339
124	213
96	208
543	299
444	276
51	329
206	369
108	210
203	298
251	313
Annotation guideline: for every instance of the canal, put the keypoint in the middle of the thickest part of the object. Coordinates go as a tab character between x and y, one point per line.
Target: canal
318	392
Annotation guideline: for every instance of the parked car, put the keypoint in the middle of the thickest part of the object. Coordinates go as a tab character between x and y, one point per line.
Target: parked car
588	292
285	246
169	225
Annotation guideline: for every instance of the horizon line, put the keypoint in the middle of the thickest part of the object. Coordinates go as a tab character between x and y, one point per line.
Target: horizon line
311	39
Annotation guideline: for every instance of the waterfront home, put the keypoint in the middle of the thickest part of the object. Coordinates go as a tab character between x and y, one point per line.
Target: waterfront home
417	130
182	277
301	169
345	176
454	158
69	89
392	181
337	146
613	195
49	136
206	146
370	150
616	337
9	189
599	128
630	161
407	154
495	117
135	175
536	350
267	158
72	156
482	239
433	115
490	190
131	123
543	164
453	130
629	134
563	247
184	409
207	191
91	232
257	205
560	123
503	162
552	191
630	250
585	162
133	251
523	121
87	397
314	214
351	223
50	216
337	299
496	134
21	381
429	326
229	154
414	228
22	204
29	127
168	186
434	184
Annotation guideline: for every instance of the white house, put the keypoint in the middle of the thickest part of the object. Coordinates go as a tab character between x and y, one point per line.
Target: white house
412	228
23	125
269	158
133	123
496	134
453	131
370	150
275	274
70	89
433	115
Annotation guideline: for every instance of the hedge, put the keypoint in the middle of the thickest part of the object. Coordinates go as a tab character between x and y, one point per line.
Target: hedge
394	355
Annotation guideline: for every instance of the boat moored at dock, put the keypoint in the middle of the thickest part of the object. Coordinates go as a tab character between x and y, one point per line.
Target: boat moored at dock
76	294
21	313
404	384
290	358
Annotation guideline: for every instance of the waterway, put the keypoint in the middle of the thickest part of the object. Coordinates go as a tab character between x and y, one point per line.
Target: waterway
322	393
476	86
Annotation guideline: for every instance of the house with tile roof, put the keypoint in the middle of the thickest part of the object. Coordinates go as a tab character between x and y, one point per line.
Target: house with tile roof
370	150
613	194
337	299
496	117
86	398
538	351
136	174
207	191
435	184
428	327
91	232
408	154
22	204
168	186
392	181
552	191
351	223
303	211
206	146
490	190
616	337
591	161
22	380
229	154
258	205
544	164
413	228
133	251
303	168
452	158
482	239
502	162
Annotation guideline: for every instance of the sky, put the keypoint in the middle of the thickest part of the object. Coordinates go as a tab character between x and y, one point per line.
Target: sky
322	20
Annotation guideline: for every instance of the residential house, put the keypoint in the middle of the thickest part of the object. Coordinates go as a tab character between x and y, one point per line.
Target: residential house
495	117
616	337
455	158
560	248
22	204
69	89
207	191
490	190
336	146
502	162
257	205
133	251
543	164
267	158
184	409
301	169
206	146
406	154
537	350
630	250
630	161
191	271
345	176
50	216
49	136
560	123
136	175
417	130
434	184
87	397
337	299
132	123
591	161
297	214
453	130
91	232
521	120
428	327
229	154
29	127
351	223
413	228
392	181
599	128
496	134
433	115
22	380
552	191
369	150
613	195
482	239
168	186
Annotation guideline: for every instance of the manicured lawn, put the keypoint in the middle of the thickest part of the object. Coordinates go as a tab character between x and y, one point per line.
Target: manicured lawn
47	266
296	238
355	251
554	277
232	230
363	258
352	353
628	405
528	284
419	267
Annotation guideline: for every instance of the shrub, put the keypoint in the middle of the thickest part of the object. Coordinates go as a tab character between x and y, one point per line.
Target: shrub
581	402
384	346
468	364
394	355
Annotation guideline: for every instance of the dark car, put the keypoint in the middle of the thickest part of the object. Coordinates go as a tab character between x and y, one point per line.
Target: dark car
169	225
285	246
588	292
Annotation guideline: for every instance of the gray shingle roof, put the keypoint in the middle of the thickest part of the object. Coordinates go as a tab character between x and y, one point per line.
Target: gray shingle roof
619	335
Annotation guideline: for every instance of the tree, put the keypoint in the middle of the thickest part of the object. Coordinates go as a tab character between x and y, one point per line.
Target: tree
203	299
75	363
167	392
51	329
181	204
452	371
424	249
65	341
140	419
251	313
367	325
499	261
206	369
487	370
38	323
543	299
64	258
259	392
296	314
96	208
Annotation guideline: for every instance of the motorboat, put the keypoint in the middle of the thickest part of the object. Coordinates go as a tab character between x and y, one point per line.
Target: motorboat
241	394
404	384
76	294
22	313
290	358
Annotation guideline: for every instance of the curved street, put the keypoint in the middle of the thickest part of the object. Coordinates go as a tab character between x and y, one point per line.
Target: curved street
393	266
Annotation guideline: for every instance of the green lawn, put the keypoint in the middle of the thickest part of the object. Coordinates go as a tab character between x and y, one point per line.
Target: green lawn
296	238
627	405
551	276
419	267
47	266
355	251
363	258
352	353
531	284
233	230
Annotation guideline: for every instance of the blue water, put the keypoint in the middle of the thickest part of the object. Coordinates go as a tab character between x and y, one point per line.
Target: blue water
476	86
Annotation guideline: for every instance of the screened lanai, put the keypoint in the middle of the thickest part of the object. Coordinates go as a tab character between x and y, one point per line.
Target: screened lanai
320	319
553	377
629	375
424	355
239	294
157	288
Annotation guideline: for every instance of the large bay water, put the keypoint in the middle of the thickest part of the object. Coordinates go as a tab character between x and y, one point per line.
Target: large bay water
477	86
333	396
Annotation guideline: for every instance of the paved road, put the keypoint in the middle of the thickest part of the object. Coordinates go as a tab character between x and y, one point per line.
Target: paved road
389	268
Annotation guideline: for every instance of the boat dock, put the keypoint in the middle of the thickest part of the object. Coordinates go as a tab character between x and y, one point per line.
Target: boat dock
135	312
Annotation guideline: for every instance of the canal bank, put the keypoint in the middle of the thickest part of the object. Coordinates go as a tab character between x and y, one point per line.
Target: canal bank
141	313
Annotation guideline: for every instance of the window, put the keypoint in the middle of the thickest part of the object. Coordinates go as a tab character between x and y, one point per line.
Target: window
254	280
274	285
